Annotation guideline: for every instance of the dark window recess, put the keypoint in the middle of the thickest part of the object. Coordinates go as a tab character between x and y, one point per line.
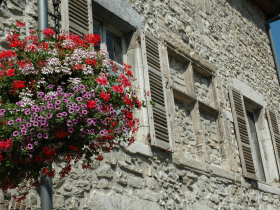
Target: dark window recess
96	30
255	146
114	46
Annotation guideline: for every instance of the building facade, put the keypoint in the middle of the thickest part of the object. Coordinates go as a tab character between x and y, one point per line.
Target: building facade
212	140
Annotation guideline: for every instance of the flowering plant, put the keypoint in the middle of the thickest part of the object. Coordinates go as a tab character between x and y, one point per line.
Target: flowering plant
59	100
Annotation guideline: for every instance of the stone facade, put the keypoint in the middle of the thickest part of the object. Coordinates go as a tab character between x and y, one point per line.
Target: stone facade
228	38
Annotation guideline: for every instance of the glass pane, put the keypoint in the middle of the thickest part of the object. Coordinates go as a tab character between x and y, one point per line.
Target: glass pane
114	46
96	30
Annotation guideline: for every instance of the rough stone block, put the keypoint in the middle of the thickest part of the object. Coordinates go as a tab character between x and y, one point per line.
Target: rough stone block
135	182
58	201
104	172
131	168
121	178
148	195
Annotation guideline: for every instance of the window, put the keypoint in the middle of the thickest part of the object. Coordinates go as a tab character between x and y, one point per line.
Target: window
77	17
112	40
247	115
195	130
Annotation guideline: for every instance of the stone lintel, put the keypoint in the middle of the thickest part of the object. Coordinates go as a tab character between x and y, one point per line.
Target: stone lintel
185	50
249	92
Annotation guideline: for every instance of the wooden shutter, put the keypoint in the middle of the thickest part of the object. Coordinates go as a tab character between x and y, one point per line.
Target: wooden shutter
275	134
242	133
77	16
160	131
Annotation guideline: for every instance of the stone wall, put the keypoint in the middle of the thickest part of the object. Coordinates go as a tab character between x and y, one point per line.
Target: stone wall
231	35
131	182
183	132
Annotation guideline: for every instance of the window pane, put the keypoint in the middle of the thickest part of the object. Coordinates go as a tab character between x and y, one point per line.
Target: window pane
255	146
114	46
96	30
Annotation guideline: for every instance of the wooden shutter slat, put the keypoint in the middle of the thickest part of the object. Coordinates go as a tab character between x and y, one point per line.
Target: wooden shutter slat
275	134
242	133
160	132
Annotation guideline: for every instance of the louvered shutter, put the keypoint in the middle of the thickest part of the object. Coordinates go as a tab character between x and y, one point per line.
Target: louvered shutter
242	133
275	134
160	131
78	17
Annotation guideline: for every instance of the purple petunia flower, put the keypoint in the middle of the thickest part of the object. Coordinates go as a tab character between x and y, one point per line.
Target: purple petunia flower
102	133
10	122
23	132
79	99
22	126
33	119
92	131
77	108
53	97
30	146
58	102
59	115
105	122
35	114
18	120
49	116
49	106
89	121
28	124
84	112
45	136
123	128
74	105
71	130
15	133
42	127
39	135
2	110
114	113
75	121
87	131
50	86
117	130
69	123
112	110
82	87
29	138
43	122
46	98
59	89
70	94
64	114
56	106
68	106
75	89
43	108
71	110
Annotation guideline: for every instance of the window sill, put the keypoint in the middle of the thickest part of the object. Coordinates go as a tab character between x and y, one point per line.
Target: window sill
138	148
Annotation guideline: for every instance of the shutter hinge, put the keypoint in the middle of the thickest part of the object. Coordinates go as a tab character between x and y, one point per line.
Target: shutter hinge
139	40
265	115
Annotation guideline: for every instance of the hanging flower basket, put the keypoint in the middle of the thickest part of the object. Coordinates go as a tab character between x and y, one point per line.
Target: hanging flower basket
59	100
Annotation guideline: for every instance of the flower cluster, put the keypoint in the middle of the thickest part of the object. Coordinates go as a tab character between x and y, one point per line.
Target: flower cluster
60	100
